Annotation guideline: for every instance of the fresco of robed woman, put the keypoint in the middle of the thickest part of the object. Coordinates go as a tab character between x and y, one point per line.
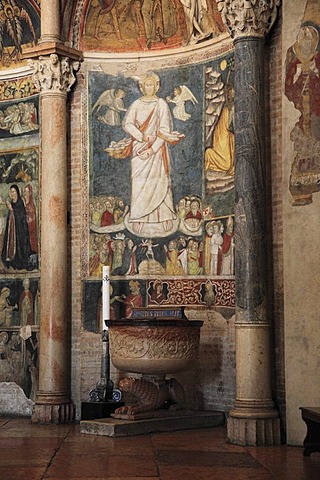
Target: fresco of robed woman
220	157
149	124
16	250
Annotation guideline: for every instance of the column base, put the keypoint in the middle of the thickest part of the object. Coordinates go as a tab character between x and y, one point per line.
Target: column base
254	431
48	413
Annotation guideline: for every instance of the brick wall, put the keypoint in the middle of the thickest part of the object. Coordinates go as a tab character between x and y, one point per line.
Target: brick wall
75	209
274	88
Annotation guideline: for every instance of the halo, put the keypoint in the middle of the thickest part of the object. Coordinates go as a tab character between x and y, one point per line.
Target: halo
8	7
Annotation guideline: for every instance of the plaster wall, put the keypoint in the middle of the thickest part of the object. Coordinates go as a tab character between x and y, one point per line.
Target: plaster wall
301	226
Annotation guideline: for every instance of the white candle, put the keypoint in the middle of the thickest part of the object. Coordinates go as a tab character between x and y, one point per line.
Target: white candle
105	294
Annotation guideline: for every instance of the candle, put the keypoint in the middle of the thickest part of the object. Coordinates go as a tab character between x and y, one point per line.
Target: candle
105	294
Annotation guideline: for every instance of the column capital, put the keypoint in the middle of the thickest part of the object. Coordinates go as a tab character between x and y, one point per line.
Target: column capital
248	18
54	73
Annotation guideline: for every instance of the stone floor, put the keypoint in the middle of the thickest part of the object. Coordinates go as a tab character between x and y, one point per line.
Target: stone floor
34	452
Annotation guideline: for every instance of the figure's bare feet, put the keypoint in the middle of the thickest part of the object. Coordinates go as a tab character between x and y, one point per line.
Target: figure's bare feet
167	225
138	227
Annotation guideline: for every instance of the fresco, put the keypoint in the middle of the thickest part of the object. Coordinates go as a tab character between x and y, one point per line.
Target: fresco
18	210
302	88
159	216
159	203
19	302
135	25
19	28
126	295
219	134
17	89
19	118
19	241
19	320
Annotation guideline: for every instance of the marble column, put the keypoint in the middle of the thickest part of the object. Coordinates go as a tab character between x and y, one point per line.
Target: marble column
54	74
50	21
54	66
254	419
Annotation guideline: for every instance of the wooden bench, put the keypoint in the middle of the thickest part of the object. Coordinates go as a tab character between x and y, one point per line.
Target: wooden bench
311	417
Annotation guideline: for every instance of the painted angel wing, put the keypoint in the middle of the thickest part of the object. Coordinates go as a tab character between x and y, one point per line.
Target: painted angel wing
186	95
25	16
106	99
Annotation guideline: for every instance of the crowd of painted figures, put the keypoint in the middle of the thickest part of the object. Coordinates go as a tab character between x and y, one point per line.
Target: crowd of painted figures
210	254
19	360
154	21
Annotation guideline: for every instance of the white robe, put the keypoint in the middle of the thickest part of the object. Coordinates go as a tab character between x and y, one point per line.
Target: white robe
194	10
151	195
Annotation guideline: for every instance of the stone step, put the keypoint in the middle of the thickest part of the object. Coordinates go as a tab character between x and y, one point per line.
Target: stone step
162	421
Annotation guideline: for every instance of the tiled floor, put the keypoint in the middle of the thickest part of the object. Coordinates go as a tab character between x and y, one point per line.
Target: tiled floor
34	452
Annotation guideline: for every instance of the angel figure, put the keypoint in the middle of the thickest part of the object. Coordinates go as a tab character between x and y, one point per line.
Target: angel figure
112	100
13	21
181	95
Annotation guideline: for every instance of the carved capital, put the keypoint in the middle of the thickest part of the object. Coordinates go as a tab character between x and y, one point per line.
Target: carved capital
54	73
248	18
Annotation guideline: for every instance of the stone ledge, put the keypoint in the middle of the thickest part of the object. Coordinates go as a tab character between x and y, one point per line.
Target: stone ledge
182	420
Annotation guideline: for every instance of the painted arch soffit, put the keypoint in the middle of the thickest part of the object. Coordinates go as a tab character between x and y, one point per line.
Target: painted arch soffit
116	26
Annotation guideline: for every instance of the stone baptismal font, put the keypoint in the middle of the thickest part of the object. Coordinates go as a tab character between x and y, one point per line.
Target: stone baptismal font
153	343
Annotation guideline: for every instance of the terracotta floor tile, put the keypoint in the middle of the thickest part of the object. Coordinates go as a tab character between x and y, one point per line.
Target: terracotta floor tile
204	433
30	430
198	458
33	443
110	478
213	473
21	473
206	444
26	456
81	467
88	444
61	452
288	463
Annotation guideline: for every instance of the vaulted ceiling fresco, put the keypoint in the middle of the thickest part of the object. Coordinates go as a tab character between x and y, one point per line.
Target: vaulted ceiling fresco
110	25
143	25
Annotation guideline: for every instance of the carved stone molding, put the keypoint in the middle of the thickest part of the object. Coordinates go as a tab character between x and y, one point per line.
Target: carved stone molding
248	18
166	343
154	350
254	431
54	73
59	413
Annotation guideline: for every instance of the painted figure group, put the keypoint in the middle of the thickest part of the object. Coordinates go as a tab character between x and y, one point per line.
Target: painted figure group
157	21
179	256
152	214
